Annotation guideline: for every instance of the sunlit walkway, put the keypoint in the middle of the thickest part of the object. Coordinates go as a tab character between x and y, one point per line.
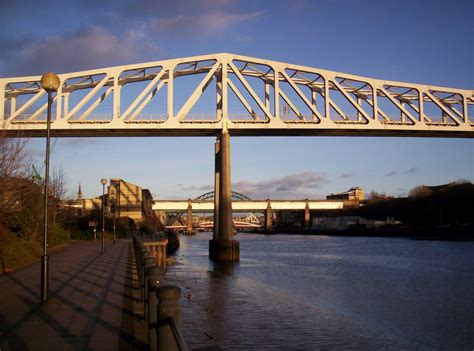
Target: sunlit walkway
89	306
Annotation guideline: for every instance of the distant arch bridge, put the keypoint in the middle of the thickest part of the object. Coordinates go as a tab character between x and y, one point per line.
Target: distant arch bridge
178	216
240	203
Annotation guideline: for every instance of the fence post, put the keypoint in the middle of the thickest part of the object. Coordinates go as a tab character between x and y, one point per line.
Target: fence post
143	257
148	261
168	309
155	279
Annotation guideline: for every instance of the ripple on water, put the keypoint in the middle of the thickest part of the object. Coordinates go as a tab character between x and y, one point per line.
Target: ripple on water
330	297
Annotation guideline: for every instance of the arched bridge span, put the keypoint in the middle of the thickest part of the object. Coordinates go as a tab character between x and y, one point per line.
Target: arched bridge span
235	196
177	216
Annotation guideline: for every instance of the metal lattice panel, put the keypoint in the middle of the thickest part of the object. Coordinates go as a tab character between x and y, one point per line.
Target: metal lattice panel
202	95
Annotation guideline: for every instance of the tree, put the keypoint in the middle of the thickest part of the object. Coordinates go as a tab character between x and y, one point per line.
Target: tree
58	189
14	161
420	191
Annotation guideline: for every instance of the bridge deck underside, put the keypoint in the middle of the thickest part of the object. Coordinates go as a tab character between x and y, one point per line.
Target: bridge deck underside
239	131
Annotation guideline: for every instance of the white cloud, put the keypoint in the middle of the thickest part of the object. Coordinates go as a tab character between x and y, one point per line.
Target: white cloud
300	185
199	25
91	48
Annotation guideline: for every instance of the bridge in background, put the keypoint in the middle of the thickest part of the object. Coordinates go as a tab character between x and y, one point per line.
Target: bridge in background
250	96
247	205
209	225
240	203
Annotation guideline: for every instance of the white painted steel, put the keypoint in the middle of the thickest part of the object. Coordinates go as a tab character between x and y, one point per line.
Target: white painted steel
289	100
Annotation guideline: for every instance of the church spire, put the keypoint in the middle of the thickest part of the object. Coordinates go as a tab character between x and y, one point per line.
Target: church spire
79	193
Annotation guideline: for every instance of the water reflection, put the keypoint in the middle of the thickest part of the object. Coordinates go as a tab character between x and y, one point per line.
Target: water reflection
306	293
223	268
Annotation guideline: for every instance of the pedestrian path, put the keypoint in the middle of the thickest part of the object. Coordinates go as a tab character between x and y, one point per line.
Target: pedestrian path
89	306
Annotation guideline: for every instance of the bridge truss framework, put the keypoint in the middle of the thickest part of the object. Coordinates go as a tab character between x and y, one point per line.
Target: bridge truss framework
203	95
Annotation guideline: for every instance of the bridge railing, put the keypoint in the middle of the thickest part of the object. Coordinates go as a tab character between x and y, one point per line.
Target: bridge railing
161	302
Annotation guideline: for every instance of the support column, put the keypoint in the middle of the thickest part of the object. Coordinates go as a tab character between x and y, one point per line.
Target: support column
359	115
189	221
307	216
267	95
224	248
117	88
12	105
216	189
314	96
268	218
402	115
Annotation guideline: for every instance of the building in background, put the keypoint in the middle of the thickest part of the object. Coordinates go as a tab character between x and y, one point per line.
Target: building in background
129	200
353	194
123	199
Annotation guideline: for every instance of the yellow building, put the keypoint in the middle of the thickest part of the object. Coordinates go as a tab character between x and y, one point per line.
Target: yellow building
123	199
353	194
128	200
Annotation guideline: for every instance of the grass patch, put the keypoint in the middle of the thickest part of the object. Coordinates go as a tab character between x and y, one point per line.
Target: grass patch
16	252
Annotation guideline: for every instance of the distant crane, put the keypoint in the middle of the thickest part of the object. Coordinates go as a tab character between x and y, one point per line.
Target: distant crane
37	173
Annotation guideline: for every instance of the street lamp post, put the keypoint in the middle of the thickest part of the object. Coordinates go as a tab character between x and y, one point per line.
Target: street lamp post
113	201
49	82
115	211
103	181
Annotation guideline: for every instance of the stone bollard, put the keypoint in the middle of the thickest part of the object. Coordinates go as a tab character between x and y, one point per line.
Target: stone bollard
168	309
155	279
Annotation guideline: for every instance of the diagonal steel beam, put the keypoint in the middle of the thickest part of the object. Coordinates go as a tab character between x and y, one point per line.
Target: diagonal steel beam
188	105
96	103
89	95
242	99
249	89
301	95
143	94
26	105
146	100
354	103
384	116
397	104
292	106
40	110
441	106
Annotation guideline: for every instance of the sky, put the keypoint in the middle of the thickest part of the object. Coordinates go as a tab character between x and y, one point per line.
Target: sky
419	41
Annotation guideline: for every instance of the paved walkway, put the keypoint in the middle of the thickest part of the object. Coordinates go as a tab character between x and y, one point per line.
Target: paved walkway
89	307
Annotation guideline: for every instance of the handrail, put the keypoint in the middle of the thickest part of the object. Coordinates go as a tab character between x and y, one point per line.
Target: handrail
178	337
150	277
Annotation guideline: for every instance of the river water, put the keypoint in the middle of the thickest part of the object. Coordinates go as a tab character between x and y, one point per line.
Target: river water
295	292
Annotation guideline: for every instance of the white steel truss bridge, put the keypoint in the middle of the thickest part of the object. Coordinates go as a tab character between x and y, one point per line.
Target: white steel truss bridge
203	95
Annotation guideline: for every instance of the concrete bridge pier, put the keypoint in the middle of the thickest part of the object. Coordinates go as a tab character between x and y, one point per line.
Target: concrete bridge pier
223	247
307	215
217	171
189	219
268	218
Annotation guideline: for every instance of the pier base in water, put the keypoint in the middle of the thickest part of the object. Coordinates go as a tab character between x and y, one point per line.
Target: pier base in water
224	250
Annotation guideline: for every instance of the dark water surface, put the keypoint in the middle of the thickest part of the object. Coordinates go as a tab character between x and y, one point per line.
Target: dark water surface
294	292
